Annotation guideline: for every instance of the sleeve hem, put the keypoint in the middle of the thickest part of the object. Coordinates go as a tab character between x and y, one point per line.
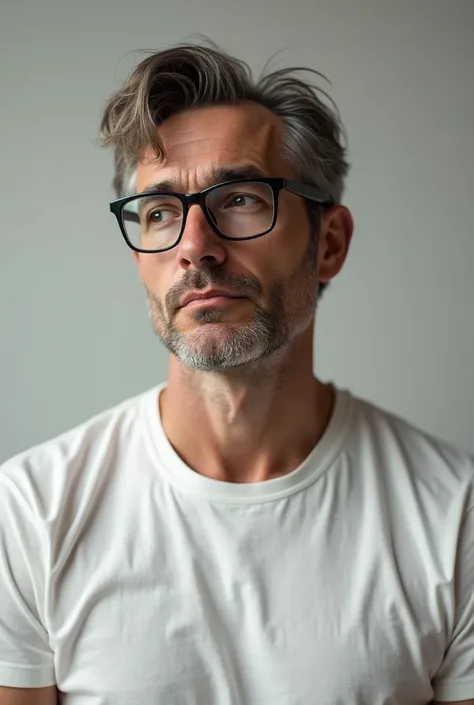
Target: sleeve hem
461	689
21	676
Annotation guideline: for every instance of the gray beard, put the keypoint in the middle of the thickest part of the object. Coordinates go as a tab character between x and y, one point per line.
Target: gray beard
290	311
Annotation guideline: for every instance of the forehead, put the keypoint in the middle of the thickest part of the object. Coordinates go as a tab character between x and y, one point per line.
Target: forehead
195	141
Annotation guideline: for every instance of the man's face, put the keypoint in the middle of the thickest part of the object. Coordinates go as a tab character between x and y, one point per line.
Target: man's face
275	276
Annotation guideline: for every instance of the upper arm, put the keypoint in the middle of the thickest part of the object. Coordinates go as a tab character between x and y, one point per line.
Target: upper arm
454	681
29	696
26	657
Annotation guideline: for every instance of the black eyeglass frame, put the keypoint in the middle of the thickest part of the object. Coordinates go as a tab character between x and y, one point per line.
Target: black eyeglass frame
306	191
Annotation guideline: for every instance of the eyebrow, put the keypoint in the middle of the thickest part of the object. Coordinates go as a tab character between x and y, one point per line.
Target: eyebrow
215	175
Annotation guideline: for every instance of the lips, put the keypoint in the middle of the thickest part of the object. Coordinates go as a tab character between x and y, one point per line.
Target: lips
203	296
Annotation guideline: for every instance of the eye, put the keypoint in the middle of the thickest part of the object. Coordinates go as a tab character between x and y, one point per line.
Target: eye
158	216
241	200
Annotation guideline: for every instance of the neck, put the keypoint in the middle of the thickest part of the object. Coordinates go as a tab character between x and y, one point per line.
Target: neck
247	426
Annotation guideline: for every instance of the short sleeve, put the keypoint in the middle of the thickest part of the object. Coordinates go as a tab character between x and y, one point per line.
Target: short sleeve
455	677
26	659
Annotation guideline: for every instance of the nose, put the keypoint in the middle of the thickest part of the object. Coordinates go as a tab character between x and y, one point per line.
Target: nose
199	244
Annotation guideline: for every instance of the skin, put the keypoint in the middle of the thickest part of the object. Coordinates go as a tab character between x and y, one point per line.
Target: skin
245	433
29	696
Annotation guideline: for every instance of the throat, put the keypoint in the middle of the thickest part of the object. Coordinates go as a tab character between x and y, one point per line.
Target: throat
270	447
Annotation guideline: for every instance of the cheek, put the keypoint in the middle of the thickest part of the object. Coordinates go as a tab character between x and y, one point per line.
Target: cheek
154	275
288	242
152	270
269	259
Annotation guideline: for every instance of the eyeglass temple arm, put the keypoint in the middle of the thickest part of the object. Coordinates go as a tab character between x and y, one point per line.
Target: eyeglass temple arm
133	217
313	193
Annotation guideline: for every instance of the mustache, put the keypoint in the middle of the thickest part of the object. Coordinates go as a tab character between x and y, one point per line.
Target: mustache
238	284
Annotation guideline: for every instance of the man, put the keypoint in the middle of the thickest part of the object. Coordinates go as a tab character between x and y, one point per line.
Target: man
244	534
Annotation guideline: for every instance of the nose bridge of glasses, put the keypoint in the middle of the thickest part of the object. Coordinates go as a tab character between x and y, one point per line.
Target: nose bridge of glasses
199	199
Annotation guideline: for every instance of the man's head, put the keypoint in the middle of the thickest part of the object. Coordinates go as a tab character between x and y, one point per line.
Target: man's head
187	115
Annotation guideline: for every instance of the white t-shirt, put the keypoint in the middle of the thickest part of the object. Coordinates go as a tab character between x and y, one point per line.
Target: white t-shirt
127	578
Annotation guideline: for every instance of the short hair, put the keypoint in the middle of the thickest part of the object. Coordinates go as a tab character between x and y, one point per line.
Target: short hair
188	76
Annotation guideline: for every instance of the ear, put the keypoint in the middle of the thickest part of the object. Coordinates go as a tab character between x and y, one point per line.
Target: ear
335	235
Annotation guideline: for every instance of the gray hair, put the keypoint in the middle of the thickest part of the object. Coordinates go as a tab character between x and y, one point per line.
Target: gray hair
189	76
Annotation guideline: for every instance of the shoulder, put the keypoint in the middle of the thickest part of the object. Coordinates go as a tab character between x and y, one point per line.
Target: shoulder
404	451
39	476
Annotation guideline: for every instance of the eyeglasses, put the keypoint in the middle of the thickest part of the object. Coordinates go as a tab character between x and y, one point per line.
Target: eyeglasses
235	210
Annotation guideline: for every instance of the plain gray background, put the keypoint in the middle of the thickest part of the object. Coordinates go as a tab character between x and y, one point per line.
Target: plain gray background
396	327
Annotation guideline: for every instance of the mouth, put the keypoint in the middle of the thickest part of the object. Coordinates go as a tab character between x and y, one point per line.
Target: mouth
213	301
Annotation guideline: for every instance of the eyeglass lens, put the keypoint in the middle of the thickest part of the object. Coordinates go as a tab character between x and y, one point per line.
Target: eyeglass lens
238	210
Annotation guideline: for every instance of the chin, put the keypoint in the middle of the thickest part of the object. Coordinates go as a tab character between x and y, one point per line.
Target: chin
217	349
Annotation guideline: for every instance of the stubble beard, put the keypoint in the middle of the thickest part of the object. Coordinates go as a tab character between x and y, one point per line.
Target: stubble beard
218	345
